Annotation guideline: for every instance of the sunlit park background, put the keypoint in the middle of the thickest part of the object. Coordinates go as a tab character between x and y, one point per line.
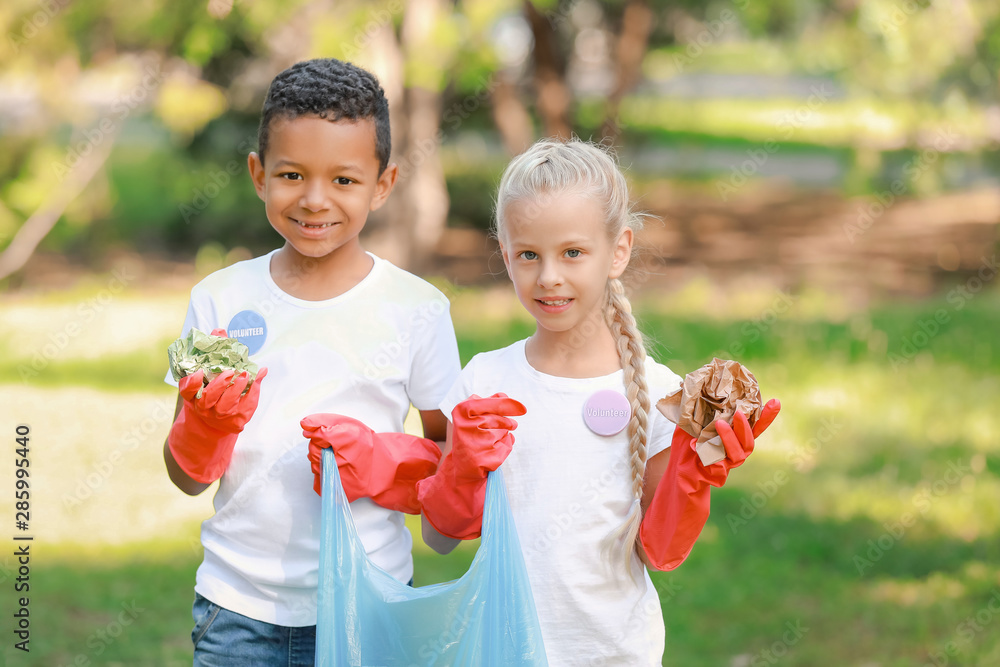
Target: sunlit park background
823	177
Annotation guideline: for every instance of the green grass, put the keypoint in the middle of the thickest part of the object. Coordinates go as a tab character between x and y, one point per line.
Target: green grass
806	559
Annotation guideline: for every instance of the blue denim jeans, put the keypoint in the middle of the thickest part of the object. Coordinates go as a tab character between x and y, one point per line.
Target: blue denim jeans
223	638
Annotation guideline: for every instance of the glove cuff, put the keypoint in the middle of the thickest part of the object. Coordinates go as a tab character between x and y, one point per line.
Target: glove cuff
203	453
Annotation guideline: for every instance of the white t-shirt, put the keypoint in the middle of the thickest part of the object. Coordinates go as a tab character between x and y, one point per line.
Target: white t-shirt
368	354
569	489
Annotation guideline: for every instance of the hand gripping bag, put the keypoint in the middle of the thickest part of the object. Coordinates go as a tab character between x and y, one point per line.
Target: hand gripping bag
366	618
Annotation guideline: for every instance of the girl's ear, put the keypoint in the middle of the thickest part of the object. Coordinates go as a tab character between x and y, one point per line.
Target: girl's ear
506	257
622	253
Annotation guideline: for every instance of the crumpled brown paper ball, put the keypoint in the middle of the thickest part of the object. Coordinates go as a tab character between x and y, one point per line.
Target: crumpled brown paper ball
714	391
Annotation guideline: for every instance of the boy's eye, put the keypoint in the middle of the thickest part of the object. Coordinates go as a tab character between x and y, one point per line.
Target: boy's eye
292	176
529	254
573	252
343	180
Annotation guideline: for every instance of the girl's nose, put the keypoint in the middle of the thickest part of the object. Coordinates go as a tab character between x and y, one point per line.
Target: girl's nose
550	275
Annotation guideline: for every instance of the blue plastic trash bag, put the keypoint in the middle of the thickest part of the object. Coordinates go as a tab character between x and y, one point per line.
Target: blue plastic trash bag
368	619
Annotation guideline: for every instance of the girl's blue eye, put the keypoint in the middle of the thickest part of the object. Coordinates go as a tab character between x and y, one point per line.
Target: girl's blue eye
573	253
529	254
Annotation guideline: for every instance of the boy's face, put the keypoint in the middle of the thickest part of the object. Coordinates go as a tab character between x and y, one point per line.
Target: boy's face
319	181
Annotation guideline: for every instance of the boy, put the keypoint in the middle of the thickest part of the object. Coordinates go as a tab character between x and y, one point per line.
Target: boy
339	331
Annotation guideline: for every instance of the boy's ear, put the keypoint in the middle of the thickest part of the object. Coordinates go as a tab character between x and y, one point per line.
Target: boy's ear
384	186
257	174
622	253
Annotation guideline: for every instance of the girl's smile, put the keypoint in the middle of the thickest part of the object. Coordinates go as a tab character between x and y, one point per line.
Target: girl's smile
554	306
560	257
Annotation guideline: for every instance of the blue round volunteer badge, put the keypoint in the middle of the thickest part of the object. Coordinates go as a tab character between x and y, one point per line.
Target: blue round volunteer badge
249	328
606	412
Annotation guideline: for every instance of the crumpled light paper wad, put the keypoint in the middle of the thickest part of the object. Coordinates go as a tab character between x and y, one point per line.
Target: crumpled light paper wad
212	354
714	391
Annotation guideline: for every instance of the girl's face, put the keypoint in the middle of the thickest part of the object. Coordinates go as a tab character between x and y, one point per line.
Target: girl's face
560	258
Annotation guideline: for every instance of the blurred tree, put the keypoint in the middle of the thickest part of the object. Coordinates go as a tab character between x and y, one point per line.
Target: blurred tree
76	74
81	79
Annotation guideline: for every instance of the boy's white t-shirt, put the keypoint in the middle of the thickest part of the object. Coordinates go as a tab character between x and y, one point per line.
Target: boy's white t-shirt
368	354
569	488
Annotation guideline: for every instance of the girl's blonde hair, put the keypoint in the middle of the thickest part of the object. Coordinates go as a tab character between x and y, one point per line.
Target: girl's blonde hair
550	168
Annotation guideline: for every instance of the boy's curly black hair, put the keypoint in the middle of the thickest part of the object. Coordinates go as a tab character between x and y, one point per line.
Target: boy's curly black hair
330	89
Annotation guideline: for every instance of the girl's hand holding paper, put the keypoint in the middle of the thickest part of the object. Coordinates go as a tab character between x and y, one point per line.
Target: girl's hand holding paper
382	466
481	440
212	415
704	449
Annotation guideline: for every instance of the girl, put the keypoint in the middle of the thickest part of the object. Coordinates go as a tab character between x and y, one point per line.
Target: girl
589	453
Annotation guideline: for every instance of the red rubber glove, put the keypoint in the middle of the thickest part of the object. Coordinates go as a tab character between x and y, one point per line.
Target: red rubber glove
680	506
204	434
382	466
481	440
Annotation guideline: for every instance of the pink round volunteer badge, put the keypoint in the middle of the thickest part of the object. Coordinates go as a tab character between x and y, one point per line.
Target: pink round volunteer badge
606	412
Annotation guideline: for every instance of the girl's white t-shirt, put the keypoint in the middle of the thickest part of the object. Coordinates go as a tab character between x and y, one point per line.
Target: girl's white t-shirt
569	488
368	354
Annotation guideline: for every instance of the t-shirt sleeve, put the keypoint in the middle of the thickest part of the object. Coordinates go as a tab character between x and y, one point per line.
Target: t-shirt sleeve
200	315
461	389
661	381
434	362
661	432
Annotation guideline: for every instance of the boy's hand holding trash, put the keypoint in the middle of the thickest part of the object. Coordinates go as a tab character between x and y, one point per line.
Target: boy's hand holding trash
220	389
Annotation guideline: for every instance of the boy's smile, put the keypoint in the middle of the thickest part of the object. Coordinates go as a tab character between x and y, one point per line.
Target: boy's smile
319	180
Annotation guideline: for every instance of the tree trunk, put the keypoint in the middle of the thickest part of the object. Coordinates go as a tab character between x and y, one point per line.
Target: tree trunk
388	232
510	116
410	224
423	177
633	41
553	94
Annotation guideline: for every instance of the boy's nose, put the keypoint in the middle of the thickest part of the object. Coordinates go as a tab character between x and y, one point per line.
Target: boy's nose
315	197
